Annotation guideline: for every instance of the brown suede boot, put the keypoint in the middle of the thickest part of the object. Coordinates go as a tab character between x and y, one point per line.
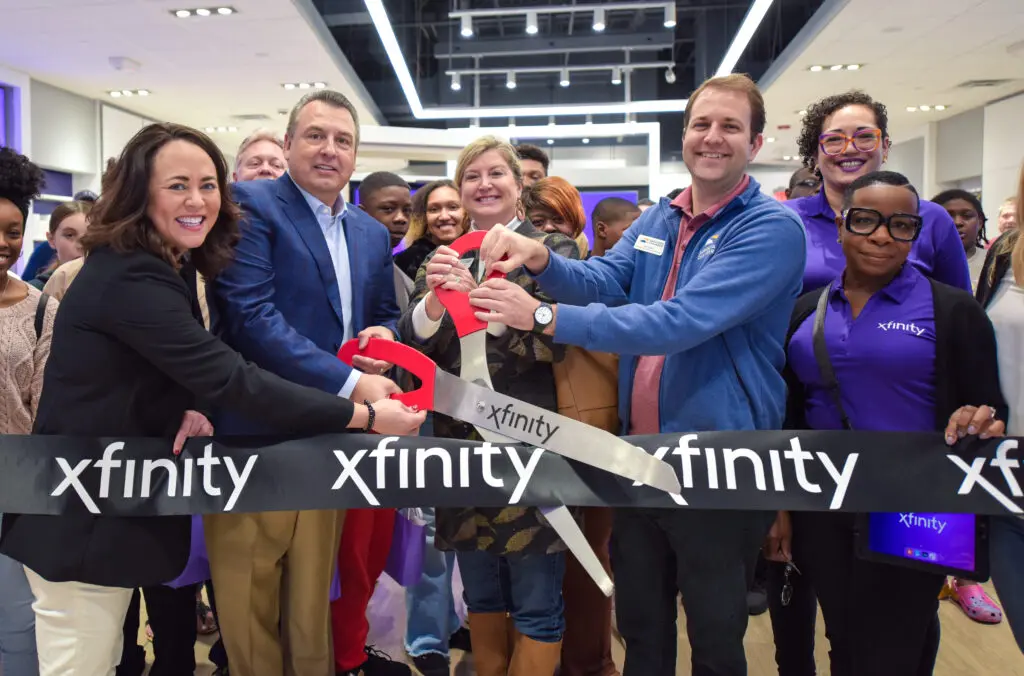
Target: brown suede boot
533	658
489	634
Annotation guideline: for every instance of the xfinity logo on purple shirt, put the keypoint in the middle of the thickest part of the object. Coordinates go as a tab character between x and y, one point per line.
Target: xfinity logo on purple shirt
912	520
900	326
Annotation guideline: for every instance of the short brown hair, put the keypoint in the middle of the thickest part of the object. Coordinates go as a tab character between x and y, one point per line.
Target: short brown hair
557	195
331	98
119	218
66	209
737	82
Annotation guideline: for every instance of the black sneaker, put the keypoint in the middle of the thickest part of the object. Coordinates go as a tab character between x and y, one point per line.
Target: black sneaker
757	600
432	664
460	641
379	663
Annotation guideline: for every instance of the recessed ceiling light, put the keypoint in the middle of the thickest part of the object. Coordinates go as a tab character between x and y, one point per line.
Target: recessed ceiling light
836	67
203	12
126	92
911	109
304	85
816	69
143	92
940	107
182	13
925	108
118	93
801	113
210	130
551	141
586	141
853	66
770	139
115	94
288	85
319	85
787	157
224	11
222	129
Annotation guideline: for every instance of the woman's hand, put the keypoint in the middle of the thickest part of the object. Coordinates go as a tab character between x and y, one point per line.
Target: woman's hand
506	303
446	270
395	418
193	424
778	543
980	420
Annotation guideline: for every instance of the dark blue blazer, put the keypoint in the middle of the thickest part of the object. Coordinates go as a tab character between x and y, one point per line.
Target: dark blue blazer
278	303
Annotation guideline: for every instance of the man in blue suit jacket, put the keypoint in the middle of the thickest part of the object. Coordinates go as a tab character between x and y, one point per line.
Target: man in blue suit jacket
310	273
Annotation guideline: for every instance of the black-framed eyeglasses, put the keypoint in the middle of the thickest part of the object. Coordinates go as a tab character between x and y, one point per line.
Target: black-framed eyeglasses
901	227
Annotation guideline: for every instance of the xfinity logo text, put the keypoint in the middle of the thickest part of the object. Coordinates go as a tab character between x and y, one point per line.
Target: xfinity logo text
538	427
1001	462
728	458
900	326
108	464
912	520
414	460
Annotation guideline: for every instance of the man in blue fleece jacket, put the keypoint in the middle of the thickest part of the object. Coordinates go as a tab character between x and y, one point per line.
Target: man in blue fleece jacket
696	299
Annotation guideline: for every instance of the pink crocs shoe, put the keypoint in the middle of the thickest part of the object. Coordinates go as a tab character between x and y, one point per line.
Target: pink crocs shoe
975	603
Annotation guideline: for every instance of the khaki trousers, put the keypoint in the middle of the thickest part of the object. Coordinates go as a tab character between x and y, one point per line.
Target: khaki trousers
273	572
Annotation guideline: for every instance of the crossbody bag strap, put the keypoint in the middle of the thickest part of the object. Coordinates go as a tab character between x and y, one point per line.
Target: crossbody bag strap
828	374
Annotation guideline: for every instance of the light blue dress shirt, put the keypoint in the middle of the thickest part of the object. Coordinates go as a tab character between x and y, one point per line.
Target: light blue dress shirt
333	226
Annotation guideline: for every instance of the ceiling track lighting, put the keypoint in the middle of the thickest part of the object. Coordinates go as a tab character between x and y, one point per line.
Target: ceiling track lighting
670	75
510	80
670	16
531	23
304	85
616	75
564	78
927	108
119	93
835	67
221	130
467	27
599	24
456	82
586	141
220	10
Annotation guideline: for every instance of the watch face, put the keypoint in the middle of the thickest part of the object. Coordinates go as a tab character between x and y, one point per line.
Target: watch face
543	315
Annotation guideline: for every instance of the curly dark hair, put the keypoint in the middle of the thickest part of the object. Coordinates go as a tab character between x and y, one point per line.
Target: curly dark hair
20	180
119	219
814	121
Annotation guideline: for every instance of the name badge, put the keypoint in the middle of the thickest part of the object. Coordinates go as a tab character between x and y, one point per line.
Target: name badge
650	245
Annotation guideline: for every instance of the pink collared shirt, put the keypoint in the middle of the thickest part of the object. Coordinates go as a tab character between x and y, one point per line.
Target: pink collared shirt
644	414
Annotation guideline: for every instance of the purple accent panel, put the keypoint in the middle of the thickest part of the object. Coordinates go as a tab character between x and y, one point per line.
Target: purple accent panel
590	200
3	116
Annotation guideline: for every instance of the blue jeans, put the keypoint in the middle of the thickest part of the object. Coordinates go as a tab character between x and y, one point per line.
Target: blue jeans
430	608
1006	548
17	621
532	594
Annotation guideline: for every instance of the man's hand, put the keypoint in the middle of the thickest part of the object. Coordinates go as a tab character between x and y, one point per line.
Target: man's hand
365	364
506	303
501	242
779	541
193	424
373	388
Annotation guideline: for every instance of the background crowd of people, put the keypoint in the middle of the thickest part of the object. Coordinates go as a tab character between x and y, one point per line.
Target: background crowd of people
189	299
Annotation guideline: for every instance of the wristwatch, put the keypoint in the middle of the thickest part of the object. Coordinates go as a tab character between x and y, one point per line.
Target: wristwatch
542	317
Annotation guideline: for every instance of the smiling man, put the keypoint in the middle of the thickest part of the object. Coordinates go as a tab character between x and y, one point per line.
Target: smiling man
309	274
726	261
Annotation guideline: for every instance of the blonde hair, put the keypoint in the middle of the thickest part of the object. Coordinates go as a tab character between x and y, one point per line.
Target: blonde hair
1018	248
256	137
482	145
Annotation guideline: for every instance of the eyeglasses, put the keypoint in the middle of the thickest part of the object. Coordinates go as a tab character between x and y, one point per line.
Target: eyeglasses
901	227
834	143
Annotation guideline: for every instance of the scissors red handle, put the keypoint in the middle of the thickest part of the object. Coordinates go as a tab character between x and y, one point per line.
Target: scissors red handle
456	302
401	355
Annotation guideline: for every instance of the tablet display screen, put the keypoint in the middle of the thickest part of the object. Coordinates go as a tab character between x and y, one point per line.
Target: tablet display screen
943	539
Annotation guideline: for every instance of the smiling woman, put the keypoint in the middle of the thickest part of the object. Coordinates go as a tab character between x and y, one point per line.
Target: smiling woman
131	358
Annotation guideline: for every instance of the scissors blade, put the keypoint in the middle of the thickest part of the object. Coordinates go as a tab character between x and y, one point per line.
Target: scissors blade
563	523
484	408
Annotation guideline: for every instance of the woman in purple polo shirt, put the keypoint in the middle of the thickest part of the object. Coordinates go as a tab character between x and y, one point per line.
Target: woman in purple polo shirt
909	354
844	137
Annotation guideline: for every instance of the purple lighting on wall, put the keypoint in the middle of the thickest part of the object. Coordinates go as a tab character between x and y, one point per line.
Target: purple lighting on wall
3	116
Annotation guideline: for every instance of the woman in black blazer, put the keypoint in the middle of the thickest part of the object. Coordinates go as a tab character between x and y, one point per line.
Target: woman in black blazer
130	358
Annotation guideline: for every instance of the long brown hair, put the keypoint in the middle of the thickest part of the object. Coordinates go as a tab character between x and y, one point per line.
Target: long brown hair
119	219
